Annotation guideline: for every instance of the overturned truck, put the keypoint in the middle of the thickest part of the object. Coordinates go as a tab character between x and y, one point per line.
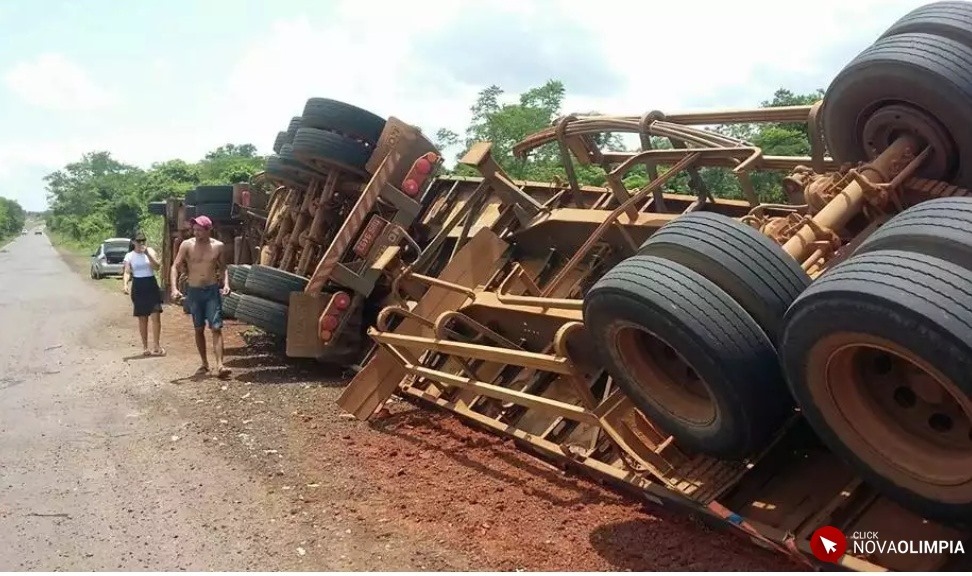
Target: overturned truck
772	368
355	202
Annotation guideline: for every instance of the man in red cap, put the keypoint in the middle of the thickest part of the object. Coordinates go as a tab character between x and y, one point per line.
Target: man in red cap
208	281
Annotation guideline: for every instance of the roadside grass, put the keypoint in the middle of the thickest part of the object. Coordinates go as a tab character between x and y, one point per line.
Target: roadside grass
4	240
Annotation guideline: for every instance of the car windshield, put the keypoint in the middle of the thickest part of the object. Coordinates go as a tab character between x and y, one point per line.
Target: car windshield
116	246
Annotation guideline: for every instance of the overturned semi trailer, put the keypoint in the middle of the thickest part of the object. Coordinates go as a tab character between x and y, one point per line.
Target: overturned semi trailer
772	368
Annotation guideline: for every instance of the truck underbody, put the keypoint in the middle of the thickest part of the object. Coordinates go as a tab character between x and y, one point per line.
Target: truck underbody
771	368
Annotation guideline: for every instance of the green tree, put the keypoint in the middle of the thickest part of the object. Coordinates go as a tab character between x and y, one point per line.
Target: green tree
99	196
12	218
505	124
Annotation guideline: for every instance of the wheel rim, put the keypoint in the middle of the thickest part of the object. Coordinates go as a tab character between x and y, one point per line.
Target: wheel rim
657	366
896	412
891	121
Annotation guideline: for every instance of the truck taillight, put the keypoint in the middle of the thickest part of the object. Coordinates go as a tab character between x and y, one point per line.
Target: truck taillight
419	173
341	301
331	317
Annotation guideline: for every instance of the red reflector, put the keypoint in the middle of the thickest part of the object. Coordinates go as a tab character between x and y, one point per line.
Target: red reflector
423	166
329	322
326	335
410	187
341	301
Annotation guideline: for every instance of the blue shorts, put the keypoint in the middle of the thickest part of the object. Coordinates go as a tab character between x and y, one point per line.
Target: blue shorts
205	305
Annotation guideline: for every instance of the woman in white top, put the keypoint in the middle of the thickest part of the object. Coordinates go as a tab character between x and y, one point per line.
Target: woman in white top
139	281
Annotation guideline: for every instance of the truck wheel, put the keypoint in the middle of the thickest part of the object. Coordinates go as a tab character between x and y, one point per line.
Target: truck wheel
214	195
273	284
328	150
351	121
878	352
217	211
271	317
941	228
230	303
907	83
292	128
237	276
688	356
281	139
287	174
749	267
306	169
156	208
951	20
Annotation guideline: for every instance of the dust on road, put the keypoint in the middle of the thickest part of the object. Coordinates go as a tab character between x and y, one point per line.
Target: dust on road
112	461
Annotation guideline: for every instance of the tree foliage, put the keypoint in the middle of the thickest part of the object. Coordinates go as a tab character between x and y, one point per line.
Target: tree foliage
98	196
12	217
505	124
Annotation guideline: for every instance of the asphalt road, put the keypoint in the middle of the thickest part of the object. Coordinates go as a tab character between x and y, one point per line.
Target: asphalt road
89	480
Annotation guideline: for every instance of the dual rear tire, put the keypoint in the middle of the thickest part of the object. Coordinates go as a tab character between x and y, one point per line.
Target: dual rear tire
877	353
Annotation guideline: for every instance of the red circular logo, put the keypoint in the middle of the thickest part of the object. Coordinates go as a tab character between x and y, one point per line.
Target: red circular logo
828	544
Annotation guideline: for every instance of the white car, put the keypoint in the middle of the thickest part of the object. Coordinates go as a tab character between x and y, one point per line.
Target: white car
108	258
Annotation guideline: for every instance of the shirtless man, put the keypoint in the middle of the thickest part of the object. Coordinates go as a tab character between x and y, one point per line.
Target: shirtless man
208	278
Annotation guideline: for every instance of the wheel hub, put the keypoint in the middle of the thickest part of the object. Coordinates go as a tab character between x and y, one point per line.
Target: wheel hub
895	411
672	381
888	123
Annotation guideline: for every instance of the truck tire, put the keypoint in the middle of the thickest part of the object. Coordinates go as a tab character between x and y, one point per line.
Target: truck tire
156	208
214	195
851	356
292	128
285	172
230	303
932	74
308	169
335	116
271	317
237	276
941	228
689	357
951	20
273	284
281	139
324	150
217	211
749	267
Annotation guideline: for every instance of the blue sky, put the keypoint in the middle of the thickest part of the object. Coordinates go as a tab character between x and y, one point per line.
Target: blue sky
153	80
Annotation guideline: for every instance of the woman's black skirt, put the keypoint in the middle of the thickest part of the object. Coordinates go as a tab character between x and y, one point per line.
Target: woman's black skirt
146	296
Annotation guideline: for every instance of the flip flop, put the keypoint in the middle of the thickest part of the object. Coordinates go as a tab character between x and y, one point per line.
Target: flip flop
223	372
146	352
161	352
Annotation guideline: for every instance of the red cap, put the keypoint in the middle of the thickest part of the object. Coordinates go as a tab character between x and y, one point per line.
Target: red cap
203	221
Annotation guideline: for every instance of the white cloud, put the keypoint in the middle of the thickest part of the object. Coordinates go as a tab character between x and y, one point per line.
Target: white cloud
672	56
54	82
403	61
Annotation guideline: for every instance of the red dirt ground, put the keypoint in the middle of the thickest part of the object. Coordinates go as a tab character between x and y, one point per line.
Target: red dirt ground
452	497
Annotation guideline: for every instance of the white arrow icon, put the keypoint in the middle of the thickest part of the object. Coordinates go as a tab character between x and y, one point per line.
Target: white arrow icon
829	545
